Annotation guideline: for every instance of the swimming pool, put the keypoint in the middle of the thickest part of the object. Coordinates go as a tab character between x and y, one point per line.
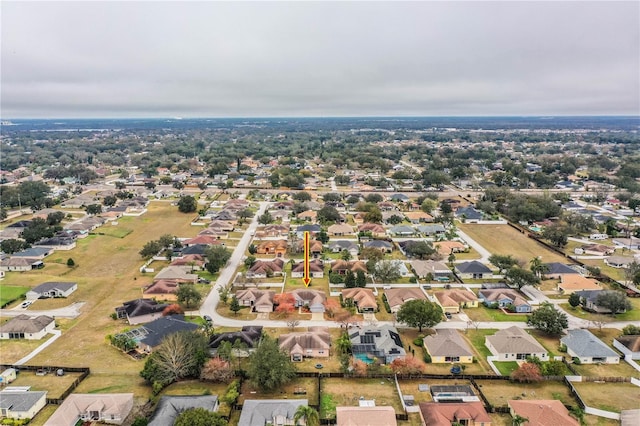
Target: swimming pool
364	358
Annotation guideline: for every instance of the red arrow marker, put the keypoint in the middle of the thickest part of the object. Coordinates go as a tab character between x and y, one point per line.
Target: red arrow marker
307	277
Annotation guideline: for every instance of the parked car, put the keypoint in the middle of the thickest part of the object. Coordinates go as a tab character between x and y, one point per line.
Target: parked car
207	318
26	304
448	315
203	281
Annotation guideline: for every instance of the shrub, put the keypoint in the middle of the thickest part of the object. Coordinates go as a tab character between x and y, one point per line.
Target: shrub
71	263
576	360
418	342
427	358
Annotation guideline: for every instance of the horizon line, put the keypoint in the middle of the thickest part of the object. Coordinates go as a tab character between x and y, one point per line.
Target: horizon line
178	118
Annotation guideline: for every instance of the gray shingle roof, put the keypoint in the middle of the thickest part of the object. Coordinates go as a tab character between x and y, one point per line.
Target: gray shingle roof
259	412
170	407
473	267
52	285
447	342
19	401
584	344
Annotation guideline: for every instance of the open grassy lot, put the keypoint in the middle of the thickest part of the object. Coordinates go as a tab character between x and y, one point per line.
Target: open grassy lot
348	392
609	396
107	275
502	239
195	387
10	293
607	370
498	392
482	313
113	382
291	391
54	385
15	349
115	231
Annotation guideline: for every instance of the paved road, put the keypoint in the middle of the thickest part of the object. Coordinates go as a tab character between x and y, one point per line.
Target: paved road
484	253
71	311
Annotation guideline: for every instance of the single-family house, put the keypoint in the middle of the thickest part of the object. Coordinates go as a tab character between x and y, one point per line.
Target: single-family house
619	261
21	405
273	247
629	345
455	299
249	336
399	198
632	243
201	239
313	299
570	283
503	298
177	273
464	413
595	250
362	298
342	266
366	416
381	245
434	230
589	300
541	412
110	408
417	217
171	406
375	229
34	253
311	229
264	268
382	343
339	230
316	269
554	270
313	343
349	245
195	262
19	264
402	231
57	243
199	249
139	311
582	344
162	290
26	327
468	214
396	297
274	230
423	268
269	411
448	346
308	215
445	248
152	334
473	270
515	344
258	300
52	289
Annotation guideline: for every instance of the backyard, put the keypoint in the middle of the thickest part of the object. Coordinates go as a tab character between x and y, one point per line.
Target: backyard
498	392
339	392
609	396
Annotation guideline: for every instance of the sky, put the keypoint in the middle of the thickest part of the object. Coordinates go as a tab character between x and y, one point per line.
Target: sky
268	59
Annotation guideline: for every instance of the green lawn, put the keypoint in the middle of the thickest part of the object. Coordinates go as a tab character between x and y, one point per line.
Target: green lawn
482	313
9	293
476	337
507	367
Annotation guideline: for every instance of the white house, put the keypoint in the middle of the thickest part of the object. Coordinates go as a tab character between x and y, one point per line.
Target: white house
515	344
582	344
52	289
26	327
21	404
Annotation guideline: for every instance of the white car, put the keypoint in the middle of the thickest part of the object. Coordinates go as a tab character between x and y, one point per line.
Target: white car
26	304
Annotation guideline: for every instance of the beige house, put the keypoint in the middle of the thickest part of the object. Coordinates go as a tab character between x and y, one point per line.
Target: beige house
448	346
340	229
26	327
466	413
258	300
362	298
453	300
107	408
366	416
570	283
314	343
21	404
396	297
515	344
178	273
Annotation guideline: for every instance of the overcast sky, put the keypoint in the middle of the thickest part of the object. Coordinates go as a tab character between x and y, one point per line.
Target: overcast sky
215	59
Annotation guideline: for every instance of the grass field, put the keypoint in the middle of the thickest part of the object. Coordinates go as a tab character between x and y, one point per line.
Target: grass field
54	385
15	349
498	392
502	239
506	367
290	391
107	275
609	396
9	293
482	313
349	391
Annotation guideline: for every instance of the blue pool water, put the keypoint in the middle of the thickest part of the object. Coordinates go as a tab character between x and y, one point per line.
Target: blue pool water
364	358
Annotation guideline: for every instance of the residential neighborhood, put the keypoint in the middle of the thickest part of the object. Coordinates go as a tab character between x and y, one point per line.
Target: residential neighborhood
362	303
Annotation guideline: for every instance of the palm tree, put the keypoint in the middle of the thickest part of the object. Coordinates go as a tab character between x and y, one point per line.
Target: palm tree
343	344
310	415
518	420
537	267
